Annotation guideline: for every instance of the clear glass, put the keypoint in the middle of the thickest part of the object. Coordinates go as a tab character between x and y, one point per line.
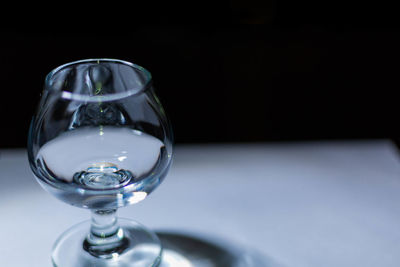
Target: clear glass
101	140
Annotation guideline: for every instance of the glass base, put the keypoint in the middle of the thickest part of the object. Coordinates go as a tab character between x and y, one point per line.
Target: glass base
143	248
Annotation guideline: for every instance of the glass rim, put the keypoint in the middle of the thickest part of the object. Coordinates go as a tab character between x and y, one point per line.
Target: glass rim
110	97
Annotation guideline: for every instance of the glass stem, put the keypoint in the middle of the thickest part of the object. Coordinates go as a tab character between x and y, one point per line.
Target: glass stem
104	224
106	239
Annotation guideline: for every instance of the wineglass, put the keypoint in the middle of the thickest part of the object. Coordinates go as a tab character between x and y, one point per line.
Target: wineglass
101	140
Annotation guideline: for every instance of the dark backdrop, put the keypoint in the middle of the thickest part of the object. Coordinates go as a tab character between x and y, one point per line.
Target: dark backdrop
239	71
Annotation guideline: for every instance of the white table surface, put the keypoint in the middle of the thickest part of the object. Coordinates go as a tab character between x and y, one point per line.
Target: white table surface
311	204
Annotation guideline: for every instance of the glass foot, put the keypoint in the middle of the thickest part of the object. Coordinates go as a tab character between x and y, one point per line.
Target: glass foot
142	248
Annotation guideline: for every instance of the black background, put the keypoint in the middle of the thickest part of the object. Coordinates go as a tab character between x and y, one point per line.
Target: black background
236	71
